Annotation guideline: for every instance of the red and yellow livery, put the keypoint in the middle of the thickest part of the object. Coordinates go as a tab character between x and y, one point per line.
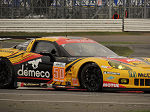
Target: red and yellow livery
72	62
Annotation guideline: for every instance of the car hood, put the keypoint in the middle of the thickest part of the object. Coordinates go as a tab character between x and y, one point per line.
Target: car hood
137	62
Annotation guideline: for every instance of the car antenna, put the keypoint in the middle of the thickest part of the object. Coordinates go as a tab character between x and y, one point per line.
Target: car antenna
66	35
66	27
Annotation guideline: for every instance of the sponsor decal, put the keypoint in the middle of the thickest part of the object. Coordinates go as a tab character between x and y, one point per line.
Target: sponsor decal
66	41
74	81
133	60
105	66
132	74
33	73
59	64
111	77
126	60
80	41
22	84
72	59
147	75
112	73
7	51
59	71
35	63
60	86
111	85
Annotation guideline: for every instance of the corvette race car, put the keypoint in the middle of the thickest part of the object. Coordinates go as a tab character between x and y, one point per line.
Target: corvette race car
71	62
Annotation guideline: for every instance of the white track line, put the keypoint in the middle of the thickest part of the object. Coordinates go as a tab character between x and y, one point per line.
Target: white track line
92	94
51	94
83	102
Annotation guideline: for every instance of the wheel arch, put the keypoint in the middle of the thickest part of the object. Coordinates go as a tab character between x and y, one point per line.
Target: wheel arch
1	57
8	60
83	65
12	71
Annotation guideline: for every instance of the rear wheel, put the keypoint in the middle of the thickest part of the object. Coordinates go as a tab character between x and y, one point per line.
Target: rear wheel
91	77
6	74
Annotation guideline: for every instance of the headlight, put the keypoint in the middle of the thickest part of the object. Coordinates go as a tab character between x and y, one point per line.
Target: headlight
118	65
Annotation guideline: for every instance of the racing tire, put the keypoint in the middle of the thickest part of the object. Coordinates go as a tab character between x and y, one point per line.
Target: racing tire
91	78
6	74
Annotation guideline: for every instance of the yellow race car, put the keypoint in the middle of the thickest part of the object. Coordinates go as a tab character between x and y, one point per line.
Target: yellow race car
71	62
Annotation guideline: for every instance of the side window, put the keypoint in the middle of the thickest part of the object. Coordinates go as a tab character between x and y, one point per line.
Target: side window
41	46
23	46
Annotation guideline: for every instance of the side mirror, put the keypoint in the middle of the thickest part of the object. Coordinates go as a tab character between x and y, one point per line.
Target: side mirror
53	52
14	46
46	53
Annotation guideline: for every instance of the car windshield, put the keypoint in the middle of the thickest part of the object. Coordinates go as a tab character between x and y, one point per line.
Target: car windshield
88	49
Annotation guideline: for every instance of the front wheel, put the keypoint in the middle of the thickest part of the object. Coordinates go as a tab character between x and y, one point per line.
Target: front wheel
6	74
91	77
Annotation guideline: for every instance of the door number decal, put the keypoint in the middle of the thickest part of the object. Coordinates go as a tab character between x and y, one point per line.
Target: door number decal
59	71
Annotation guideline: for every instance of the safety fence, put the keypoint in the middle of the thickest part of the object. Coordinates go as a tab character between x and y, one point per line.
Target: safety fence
137	25
60	25
73	25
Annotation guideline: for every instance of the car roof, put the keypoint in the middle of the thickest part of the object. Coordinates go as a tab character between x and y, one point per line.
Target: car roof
62	40
56	38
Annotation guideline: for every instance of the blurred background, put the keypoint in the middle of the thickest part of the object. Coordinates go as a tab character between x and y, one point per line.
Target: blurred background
73	9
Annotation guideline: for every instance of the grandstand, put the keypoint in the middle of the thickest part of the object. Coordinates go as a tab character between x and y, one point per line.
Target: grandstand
73	9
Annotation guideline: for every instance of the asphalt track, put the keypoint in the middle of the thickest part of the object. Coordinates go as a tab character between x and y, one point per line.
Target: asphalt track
32	100
39	100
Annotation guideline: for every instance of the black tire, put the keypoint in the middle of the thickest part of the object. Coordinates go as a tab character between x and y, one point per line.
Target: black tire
6	74
91	78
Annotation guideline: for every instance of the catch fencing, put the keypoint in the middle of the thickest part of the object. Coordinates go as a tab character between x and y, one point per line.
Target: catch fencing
73	9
